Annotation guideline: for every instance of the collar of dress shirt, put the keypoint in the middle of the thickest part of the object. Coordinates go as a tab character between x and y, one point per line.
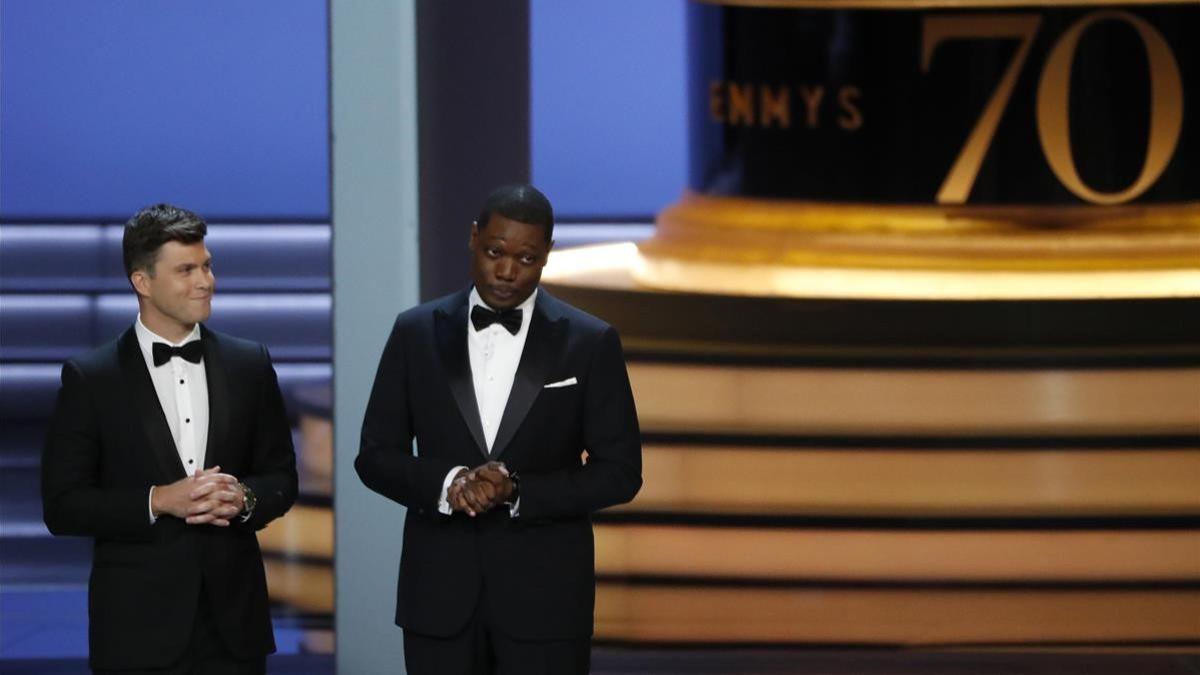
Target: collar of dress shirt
146	339
526	306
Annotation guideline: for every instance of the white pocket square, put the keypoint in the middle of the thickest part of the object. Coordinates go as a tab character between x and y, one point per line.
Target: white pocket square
562	383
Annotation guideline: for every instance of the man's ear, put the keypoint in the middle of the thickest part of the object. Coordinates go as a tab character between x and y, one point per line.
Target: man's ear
140	281
474	236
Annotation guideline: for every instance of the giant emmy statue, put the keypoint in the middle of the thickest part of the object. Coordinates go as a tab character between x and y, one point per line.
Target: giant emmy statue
917	354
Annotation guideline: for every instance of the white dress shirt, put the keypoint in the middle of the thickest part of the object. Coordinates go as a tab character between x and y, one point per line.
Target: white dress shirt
495	354
182	389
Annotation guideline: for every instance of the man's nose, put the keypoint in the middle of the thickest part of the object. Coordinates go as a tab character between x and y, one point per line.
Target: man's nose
506	270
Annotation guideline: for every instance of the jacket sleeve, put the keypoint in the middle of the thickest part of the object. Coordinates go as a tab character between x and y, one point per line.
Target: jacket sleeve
73	500
386	462
613	472
272	470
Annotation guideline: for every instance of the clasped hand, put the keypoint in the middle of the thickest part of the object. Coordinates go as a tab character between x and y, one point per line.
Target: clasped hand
480	489
206	497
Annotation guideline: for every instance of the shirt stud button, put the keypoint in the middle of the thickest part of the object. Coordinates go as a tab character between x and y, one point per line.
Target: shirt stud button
187	421
181	382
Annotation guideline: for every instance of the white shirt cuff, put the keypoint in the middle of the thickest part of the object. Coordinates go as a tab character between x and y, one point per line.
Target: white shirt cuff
150	505
443	501
514	509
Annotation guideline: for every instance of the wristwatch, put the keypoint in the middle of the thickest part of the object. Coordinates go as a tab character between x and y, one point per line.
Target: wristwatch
516	490
249	501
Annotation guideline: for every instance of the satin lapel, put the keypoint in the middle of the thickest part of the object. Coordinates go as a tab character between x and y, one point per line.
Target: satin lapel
450	328
218	399
543	342
147	409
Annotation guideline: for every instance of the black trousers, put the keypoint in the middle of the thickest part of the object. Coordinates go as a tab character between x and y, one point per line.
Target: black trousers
482	648
206	653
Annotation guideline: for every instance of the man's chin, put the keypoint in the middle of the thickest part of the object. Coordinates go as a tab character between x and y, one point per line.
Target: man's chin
505	301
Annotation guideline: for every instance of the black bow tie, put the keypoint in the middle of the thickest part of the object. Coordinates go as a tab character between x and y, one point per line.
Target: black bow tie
163	352
482	317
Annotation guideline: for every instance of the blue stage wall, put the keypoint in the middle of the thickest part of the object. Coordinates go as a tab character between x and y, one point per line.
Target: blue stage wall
220	105
607	112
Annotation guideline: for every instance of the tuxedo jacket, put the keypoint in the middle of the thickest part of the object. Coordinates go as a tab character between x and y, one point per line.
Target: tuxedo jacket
535	572
109	442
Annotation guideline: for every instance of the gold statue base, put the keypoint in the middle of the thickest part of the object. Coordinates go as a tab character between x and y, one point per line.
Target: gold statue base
800	249
628	267
903	457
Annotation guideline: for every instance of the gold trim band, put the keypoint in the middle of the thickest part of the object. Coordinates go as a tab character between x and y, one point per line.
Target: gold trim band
883	555
916	617
726	480
698	210
622	268
762	400
732	230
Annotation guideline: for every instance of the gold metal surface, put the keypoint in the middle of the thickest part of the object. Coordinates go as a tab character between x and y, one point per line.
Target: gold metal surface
303	530
696	398
894	616
305	586
889	555
1053	97
740	213
938	28
754	232
729	480
623	267
1166	108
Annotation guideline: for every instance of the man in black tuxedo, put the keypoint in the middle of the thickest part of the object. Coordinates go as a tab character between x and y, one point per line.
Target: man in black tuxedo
524	424
170	446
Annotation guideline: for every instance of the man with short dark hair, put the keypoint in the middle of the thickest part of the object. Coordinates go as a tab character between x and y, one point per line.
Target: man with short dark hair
170	446
504	388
